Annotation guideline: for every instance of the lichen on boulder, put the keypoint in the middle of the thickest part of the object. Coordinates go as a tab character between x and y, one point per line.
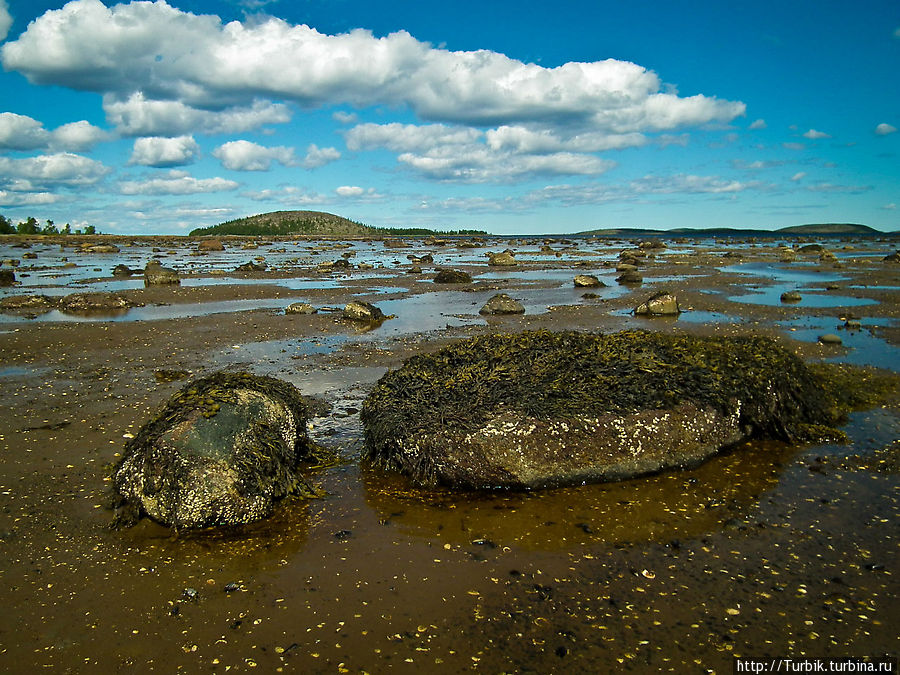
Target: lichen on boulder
220	452
540	409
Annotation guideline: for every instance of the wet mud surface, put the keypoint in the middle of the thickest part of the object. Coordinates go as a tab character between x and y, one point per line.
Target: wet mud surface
768	549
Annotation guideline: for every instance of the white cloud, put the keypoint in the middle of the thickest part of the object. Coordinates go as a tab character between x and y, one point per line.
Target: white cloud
890	207
60	169
800	175
8	198
289	195
5	20
135	115
812	134
357	193
345	117
316	156
247	156
20	132
176	183
164	152
758	124
642	188
408	137
884	129
170	56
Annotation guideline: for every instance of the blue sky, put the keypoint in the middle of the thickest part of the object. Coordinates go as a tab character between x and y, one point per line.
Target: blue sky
524	117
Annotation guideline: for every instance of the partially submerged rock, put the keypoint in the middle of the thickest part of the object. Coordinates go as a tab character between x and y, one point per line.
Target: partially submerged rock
356	310
545	409
791	296
300	308
7	277
27	304
210	245
662	303
221	452
630	277
587	281
502	304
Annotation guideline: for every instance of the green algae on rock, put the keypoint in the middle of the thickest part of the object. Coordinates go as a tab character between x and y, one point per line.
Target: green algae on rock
539	409
220	452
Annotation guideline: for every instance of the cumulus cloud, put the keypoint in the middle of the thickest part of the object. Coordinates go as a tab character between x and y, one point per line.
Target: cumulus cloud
176	183
758	124
164	152
20	132
287	195
170	56
8	198
456	153
5	20
641	188
316	156
136	115
884	129
247	156
345	117
812	134
47	171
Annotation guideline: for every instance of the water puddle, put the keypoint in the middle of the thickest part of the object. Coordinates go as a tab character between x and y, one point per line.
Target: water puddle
772	297
864	346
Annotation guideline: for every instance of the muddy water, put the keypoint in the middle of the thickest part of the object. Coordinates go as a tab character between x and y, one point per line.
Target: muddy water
769	549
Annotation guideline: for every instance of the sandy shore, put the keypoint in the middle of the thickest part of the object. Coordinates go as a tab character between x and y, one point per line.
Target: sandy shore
769	550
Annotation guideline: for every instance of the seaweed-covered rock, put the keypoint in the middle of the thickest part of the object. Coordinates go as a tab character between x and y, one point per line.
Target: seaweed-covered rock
791	296
221	452
27	304
300	308
630	277
543	409
210	245
446	276
7	277
122	271
94	303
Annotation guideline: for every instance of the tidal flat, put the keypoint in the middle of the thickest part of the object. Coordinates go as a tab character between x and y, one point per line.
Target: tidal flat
768	549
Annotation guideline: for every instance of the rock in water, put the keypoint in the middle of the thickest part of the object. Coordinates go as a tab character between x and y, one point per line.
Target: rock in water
221	452
543	409
362	311
502	304
157	275
446	276
7	277
587	281
659	304
502	259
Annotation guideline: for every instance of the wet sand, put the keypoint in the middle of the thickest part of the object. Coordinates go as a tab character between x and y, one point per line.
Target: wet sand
765	550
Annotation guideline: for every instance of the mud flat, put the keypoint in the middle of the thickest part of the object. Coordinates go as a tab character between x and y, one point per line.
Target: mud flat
771	548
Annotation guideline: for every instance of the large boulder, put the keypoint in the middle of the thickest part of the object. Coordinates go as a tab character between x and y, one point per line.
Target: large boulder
210	245
587	281
543	409
356	310
220	452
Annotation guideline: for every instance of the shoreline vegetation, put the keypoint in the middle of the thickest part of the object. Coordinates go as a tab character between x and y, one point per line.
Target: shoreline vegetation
322	224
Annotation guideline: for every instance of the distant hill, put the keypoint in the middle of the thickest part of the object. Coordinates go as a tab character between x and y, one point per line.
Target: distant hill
289	222
829	229
815	229
315	223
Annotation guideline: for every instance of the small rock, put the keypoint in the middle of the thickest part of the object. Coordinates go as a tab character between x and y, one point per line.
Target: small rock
830	339
791	296
587	281
502	259
300	308
893	257
210	245
157	275
103	248
452	277
502	304
122	271
660	304
7	277
853	324
251	266
362	311
630	277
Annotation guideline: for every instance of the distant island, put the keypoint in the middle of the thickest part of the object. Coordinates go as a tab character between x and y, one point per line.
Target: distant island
313	223
810	230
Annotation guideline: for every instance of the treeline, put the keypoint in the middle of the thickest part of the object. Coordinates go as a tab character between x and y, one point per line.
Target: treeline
425	232
32	226
261	229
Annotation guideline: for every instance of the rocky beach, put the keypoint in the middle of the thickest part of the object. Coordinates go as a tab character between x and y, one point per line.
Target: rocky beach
769	548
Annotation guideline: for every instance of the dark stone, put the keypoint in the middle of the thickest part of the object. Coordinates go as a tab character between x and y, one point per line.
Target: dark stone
94	303
791	296
541	409
445	276
362	311
7	277
220	452
157	275
122	271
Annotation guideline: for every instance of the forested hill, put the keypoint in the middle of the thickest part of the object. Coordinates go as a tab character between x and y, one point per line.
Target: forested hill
289	222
